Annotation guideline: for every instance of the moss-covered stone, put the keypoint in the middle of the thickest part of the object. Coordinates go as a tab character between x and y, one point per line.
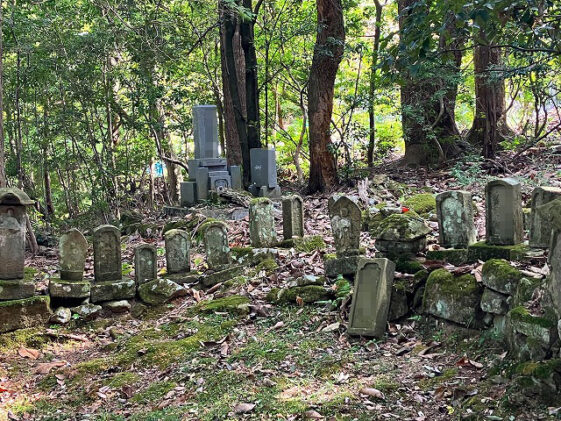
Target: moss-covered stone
483	251
233	304
531	337
69	289
456	257
113	290
453	298
308	294
16	289
525	290
186	278
25	313
423	203
222	276
500	276
401	234
344	266
305	244
494	302
408	266
87	311
160	291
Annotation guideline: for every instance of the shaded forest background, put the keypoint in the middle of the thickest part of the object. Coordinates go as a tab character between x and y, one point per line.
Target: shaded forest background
97	94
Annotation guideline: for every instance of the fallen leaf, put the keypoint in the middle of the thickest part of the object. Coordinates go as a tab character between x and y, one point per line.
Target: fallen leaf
244	408
372	392
332	327
45	368
32	354
313	415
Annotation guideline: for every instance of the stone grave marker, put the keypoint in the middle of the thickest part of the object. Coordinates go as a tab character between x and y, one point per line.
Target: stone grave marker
346	224
145	263
178	245
73	249
216	245
551	214
504	218
264	173
540	230
455	219
371	297
107	253
293	217
262	231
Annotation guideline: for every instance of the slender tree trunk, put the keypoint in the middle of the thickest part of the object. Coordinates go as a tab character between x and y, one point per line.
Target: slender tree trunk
372	86
328	53
489	124
3	181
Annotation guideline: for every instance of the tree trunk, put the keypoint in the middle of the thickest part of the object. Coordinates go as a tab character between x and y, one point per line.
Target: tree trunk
427	103
328	53
3	182
372	87
489	124
232	138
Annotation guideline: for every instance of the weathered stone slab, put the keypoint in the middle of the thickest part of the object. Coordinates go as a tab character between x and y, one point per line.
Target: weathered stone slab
69	289
113	290
87	311
401	234
205	131
217	248
119	306
504	218
540	229
16	289
61	316
346	266
160	291
188	193
500	276
262	223
292	217
72	250
107	253
371	297
263	167
456	299
455	257
494	302
178	245
554	281
21	314
346	224
222	276
454	210
145	263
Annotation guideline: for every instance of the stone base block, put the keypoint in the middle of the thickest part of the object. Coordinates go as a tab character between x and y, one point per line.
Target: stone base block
21	314
184	278
346	266
455	257
113	290
160	291
494	302
392	249
222	276
69	289
16	289
264	191
483	251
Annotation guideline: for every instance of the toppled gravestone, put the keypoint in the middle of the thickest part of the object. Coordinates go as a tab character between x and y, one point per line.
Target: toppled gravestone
160	291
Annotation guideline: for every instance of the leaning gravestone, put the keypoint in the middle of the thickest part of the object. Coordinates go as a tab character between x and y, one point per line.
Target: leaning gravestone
262	231
72	249
504	217
19	308
455	219
292	217
371	297
216	245
551	215
177	251
540	230
145	263
109	284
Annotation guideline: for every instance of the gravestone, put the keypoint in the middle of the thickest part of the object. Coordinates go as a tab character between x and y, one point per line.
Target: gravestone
216	245
292	217
540	231
205	131
551	215
346	224
73	249
109	283
264	173
455	219
504	218
262	231
145	263
371	297
178	244
107	253
236	174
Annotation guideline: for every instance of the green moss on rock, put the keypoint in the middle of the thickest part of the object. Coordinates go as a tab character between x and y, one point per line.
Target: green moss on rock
408	266
234	304
421	203
500	276
455	257
308	294
483	251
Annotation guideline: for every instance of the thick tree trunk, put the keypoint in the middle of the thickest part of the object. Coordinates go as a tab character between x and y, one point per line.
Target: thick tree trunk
428	119
372	86
328	52
232	138
489	124
2	152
